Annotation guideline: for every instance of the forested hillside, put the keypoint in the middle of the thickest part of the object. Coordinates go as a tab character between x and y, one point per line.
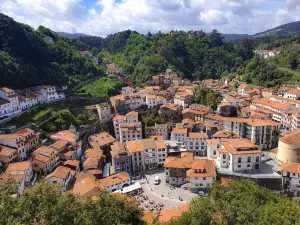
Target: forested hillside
26	59
141	56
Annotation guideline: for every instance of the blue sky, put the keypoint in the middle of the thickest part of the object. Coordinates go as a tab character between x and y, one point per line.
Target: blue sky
103	17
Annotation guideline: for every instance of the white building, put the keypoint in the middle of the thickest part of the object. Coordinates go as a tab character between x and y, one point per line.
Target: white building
49	93
116	182
104	112
292	94
238	155
24	168
153	101
291	176
201	175
197	143
127	90
179	134
9	102
212	146
63	176
132	122
28	100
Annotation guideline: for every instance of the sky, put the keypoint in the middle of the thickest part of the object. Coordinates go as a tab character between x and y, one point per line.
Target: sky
104	17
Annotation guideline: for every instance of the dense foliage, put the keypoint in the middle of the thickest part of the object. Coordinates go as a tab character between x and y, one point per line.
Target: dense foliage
101	88
141	56
208	97
241	203
44	204
26	59
150	117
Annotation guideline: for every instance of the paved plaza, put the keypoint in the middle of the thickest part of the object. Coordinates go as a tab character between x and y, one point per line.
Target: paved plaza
164	193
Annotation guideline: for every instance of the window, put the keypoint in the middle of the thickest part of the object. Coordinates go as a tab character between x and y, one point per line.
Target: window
204	178
224	156
201	185
239	160
248	165
249	159
214	152
257	159
239	166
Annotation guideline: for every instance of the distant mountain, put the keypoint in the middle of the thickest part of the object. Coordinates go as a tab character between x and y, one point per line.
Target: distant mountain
288	29
73	36
235	37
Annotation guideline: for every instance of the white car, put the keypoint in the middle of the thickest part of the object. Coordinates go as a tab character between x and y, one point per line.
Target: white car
156	180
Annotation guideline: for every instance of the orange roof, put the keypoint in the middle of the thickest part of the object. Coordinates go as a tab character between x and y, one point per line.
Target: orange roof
225	134
183	162
134	146
240	146
18	166
6	90
294	91
149	217
93	153
91	162
101	139
60	145
7	151
193	135
61	172
114	179
290	167
45	149
119	117
72	162
160	144
15	177
184	208
128	200
40	157
66	135
133	113
86	185
118	150
202	168
24	132
213	141
292	138
166	215
179	131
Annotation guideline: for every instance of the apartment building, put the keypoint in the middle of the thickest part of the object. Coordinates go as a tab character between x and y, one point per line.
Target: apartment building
243	88
179	134
130	131
101	140
24	141
295	121
104	112
161	152
261	132
237	155
267	92
153	101
183	99
116	182
28	99
195	112
290	173
201	175
63	176
197	143
157	130
121	158
293	94
49	93
127	90
73	149
125	103
45	159
24	168
9	102
176	168
131	117
172	111
8	154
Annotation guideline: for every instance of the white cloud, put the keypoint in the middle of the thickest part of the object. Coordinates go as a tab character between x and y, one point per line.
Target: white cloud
108	16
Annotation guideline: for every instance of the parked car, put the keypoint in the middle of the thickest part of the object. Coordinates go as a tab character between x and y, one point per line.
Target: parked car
156	180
